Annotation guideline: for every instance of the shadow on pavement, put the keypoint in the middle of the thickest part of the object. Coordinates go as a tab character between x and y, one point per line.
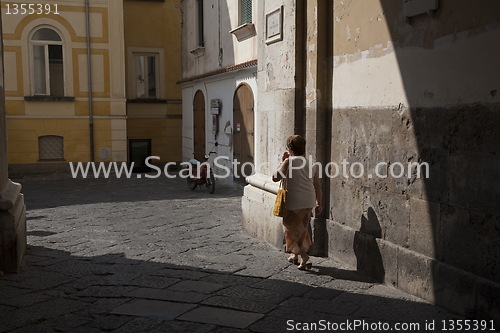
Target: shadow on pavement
342	274
46	191
61	292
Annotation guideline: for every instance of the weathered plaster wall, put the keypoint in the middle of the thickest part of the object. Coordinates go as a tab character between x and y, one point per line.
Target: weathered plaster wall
276	86
221	48
430	62
366	86
276	117
419	92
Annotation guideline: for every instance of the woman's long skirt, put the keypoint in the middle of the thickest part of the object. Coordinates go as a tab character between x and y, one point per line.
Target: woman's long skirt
296	228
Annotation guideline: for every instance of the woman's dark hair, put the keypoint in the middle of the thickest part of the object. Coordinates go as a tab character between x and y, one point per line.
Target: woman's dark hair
296	143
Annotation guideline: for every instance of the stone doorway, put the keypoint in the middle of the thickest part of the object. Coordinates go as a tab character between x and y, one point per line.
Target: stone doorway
243	129
199	125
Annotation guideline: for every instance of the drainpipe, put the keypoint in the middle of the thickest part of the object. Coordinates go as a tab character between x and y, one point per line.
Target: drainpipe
89	67
219	26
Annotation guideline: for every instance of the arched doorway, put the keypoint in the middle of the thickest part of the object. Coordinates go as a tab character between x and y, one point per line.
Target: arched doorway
243	129
199	124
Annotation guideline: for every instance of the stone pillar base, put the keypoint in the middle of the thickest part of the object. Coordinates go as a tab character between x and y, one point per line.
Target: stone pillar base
438	283
12	228
258	219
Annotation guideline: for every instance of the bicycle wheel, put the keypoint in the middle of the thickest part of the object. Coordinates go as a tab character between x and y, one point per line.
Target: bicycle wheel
211	184
191	184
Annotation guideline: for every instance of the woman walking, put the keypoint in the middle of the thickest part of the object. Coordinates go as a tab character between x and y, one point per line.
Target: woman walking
304	194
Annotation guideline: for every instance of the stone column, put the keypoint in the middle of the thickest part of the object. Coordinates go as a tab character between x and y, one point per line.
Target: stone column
12	208
279	104
317	117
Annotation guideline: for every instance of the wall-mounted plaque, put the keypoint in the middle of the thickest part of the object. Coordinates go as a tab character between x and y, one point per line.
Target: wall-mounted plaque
274	26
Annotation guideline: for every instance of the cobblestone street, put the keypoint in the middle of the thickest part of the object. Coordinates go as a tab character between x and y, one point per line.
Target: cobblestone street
149	255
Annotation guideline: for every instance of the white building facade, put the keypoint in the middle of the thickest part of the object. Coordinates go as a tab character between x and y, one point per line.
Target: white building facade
219	69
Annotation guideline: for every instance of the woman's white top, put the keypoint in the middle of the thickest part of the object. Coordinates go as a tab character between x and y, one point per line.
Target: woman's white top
300	185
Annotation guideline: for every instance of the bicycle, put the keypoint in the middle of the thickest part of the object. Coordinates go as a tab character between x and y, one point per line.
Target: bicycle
206	174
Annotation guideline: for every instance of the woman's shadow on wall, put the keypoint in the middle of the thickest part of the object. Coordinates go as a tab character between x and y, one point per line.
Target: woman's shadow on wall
369	259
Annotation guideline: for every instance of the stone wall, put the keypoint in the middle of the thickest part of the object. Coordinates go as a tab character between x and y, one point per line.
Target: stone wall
12	208
278	77
419	91
385	89
436	238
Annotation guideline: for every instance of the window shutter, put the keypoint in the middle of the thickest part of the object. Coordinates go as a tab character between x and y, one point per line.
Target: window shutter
201	41
246	11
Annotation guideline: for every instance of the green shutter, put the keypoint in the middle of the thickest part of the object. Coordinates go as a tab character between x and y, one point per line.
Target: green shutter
246	11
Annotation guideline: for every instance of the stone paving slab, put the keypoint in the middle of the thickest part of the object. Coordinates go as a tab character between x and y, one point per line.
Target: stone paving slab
269	324
109	322
322	293
284	287
153	282
224	268
196	286
69	320
153	309
106	255
239	304
229	330
180	273
139	325
101	306
222	317
105	291
183	326
167	295
231	280
25	300
256	294
296	304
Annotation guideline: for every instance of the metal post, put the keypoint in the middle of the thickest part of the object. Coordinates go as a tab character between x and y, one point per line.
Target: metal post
89	67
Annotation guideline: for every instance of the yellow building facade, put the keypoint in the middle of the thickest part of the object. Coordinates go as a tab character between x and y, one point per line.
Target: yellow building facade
154	100
49	119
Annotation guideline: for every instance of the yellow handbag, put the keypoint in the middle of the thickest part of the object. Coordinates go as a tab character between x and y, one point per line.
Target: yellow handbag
280	204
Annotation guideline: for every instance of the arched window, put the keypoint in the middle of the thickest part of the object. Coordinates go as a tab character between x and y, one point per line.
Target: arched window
50	147
47	57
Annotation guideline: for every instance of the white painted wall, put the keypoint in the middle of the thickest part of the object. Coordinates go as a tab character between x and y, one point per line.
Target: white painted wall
220	17
220	87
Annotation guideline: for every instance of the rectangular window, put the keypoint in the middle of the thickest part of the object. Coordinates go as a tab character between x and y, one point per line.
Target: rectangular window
201	41
146	75
245	11
51	147
48	70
